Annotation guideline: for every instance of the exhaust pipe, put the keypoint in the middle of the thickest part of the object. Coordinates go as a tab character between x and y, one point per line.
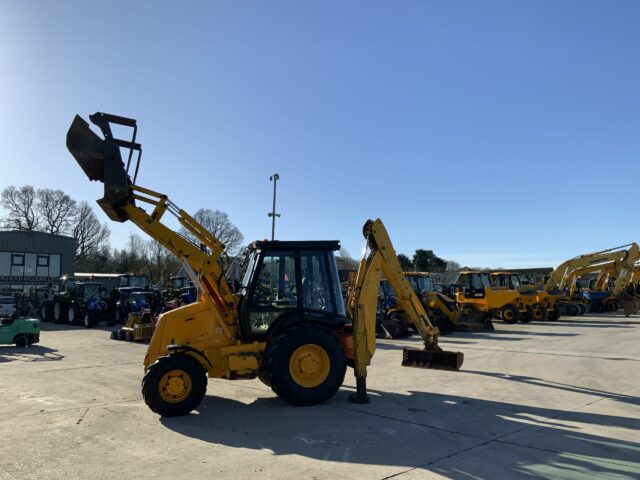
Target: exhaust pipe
101	161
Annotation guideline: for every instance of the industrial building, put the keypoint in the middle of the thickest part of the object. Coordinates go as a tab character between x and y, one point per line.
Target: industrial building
34	260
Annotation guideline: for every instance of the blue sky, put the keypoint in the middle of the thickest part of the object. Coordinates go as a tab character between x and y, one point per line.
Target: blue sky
497	133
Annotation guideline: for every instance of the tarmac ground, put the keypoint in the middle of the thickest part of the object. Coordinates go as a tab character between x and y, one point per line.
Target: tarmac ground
556	400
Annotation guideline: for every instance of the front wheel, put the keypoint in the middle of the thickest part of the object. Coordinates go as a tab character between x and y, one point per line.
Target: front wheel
306	365
22	341
510	314
174	385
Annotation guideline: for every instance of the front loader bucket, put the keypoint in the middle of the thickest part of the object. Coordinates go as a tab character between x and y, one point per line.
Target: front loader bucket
101	161
475	322
437	359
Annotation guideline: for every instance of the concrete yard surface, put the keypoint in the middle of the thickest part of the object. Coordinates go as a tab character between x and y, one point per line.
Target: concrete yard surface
541	400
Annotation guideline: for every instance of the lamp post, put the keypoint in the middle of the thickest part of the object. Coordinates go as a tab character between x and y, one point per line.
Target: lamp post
274	178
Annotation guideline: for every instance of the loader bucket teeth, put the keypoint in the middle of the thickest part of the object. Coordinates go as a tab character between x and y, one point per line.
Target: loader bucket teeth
101	161
440	360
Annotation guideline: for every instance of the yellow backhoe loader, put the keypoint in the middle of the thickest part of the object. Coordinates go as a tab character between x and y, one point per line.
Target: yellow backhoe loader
442	310
285	322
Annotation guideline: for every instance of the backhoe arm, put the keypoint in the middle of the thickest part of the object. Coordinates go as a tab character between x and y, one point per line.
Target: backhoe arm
380	258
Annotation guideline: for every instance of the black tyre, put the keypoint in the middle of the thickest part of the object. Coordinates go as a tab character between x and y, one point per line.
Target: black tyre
21	341
553	315
306	365
572	310
174	385
597	306
128	336
122	335
540	313
87	320
73	315
527	316
510	314
59	312
396	326
114	335
583	308
440	320
45	312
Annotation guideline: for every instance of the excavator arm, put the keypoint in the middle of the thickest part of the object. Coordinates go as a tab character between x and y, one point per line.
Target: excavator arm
380	258
559	278
101	161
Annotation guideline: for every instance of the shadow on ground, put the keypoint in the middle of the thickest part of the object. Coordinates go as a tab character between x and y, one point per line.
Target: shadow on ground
33	353
423	431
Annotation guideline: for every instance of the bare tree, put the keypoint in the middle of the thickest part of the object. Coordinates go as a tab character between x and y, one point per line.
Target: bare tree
21	205
56	209
220	226
452	266
89	233
345	261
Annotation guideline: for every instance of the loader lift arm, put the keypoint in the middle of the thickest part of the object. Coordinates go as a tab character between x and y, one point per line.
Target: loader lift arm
380	258
99	159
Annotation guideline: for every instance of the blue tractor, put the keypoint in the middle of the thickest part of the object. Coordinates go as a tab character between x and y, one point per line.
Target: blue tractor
133	300
80	303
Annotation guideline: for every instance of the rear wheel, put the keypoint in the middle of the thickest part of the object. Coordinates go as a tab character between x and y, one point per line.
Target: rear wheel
583	309
306	365
174	385
527	316
396	326
553	315
572	310
58	312
73	315
45	312
21	341
540	313
597	306
510	314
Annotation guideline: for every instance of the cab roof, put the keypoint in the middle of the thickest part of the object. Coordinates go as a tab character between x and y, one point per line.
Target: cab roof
295	245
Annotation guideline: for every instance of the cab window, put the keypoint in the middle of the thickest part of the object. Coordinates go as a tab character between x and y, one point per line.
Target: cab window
275	290
316	294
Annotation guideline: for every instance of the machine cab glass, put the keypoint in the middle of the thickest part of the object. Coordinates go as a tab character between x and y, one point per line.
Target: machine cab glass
295	281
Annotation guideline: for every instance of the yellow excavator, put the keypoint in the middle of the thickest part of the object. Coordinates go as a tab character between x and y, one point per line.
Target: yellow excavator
284	322
560	279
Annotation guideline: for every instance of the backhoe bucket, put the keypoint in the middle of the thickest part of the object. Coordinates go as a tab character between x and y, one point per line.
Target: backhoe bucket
437	359
101	160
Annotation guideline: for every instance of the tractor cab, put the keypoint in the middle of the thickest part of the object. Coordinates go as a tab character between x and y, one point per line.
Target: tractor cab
421	282
473	284
134	281
505	280
87	291
285	282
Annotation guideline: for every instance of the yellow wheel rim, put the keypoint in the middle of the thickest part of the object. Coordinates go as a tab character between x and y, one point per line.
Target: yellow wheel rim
175	386
508	314
309	365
